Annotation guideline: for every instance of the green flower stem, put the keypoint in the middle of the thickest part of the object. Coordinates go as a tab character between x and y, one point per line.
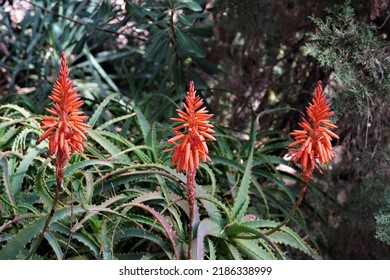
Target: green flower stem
60	171
292	211
46	226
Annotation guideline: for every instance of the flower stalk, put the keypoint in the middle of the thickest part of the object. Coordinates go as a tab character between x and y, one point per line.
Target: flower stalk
190	145
312	146
65	130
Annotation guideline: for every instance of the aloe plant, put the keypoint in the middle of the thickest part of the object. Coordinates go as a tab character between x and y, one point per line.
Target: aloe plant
123	201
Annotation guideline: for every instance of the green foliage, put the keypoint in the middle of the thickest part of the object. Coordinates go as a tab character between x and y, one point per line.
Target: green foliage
382	218
160	49
122	199
383	223
357	52
357	57
173	50
125	200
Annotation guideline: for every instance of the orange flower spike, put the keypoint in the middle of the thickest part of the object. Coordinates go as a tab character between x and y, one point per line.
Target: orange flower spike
314	140
66	129
190	135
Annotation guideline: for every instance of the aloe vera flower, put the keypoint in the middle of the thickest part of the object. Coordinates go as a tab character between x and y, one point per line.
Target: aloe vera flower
66	129
190	147
191	135
66	133
313	142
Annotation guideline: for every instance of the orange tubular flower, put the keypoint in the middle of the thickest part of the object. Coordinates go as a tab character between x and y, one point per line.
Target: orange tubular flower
66	129
314	141
191	143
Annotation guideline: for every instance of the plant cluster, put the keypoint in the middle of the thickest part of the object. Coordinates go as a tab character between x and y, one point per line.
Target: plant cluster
130	153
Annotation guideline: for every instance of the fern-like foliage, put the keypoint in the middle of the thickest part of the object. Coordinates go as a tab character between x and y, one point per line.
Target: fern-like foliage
358	57
382	218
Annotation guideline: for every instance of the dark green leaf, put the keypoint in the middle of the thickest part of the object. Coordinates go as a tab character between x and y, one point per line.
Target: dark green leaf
187	45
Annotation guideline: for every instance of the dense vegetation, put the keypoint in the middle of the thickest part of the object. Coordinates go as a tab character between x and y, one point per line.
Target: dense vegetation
256	65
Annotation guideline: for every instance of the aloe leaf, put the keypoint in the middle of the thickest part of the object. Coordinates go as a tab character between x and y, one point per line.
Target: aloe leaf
6	180
137	256
25	235
153	168
107	145
103	206
106	243
210	204
147	197
243	231
20	140
259	188
237	229
235	254
81	236
39	185
88	193
212	250
110	184
253	250
5	237
176	219
26	114
141	233
223	145
241	203
92	121
173	198
70	169
286	236
170	199
268	160
115	120
18	176
173	202
140	154
138	151
273	147
206	227
144	124
8	135
243	210
292	239
227	162
141	219
167	227
54	244
212	177
152	141
211	209
271	176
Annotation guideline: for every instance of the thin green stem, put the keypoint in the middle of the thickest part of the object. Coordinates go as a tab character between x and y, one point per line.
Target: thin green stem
292	211
60	170
47	223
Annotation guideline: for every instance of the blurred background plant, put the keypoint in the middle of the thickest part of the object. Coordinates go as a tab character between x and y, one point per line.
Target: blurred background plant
251	61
